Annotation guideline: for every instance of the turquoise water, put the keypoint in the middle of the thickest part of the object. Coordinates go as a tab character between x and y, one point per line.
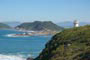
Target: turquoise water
20	46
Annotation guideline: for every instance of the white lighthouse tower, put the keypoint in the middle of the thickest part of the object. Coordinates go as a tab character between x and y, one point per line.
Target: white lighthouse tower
76	23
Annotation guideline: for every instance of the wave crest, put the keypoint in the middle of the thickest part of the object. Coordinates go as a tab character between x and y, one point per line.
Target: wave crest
11	57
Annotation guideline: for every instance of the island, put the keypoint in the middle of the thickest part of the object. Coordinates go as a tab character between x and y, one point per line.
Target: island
70	44
39	28
4	26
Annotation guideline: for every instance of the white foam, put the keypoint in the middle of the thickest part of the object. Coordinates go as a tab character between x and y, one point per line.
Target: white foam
9	35
11	57
13	35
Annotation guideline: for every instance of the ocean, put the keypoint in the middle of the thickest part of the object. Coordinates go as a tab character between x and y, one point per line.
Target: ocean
20	48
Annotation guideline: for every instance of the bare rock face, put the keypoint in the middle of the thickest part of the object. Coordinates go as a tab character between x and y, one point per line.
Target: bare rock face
29	58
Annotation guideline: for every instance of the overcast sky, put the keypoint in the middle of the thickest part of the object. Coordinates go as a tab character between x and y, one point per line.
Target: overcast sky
44	10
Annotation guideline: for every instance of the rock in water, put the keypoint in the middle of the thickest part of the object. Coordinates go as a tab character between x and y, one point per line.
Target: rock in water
29	58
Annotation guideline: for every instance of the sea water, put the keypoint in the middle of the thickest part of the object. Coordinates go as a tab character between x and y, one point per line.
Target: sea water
20	48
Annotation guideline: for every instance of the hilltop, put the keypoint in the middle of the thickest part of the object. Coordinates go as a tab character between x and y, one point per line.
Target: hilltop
4	26
70	44
40	26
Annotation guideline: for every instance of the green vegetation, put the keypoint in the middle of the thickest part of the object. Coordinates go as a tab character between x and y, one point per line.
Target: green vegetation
39	26
70	44
4	26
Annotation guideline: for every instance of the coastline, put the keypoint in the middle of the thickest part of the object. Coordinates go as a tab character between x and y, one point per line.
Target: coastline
34	33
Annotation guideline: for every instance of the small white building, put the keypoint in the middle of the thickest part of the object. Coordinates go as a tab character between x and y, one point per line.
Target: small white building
76	23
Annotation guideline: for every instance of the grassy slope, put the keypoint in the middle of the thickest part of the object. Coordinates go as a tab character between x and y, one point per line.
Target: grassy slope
71	44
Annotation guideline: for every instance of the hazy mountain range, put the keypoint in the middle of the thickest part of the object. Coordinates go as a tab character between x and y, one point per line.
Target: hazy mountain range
66	24
12	24
69	24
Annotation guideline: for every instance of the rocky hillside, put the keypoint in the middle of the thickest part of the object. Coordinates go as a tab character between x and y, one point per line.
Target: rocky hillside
40	26
71	44
4	26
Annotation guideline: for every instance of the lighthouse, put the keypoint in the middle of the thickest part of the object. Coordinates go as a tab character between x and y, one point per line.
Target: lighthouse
76	23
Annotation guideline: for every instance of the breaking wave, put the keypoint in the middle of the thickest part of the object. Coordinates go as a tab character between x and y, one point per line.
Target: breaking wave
13	35
11	57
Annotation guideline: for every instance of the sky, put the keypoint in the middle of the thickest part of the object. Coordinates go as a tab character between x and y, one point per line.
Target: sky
44	10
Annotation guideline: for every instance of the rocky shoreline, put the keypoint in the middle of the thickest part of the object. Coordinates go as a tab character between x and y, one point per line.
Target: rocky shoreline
33	33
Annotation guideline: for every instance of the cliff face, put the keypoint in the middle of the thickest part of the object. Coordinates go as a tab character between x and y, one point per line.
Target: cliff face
71	44
4	26
39	26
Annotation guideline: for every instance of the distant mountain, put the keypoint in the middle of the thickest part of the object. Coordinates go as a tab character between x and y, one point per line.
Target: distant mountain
40	26
4	26
12	24
69	24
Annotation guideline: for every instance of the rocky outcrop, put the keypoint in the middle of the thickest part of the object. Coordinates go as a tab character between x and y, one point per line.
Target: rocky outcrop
30	59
